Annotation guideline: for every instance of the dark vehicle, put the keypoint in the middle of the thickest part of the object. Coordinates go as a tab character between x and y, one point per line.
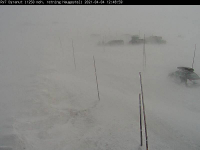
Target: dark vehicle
185	74
136	40
155	40
115	43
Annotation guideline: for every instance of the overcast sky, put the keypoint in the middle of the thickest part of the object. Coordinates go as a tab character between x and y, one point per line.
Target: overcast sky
158	19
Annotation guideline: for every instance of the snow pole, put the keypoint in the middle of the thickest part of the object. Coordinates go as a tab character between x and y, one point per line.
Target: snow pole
145	125
140	120
74	55
96	78
193	56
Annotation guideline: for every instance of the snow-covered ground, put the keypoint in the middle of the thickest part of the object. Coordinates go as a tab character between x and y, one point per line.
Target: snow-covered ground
48	104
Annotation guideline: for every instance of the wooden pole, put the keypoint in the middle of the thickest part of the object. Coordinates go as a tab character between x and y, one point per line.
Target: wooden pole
144	111
140	120
96	78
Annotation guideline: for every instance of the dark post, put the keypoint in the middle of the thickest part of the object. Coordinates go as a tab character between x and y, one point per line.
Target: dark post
96	78
194	56
144	111
140	120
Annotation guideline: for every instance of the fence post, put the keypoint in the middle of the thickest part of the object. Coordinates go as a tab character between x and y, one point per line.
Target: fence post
96	78
140	120
145	125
